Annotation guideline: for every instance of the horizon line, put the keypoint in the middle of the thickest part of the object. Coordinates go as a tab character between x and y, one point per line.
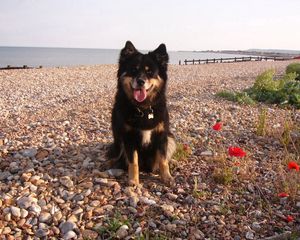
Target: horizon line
207	50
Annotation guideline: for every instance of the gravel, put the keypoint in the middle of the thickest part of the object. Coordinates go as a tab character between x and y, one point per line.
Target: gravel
54	183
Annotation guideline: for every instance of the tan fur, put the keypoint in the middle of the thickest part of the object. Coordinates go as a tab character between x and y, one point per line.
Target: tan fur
164	169
162	163
171	148
133	170
156	85
127	86
160	127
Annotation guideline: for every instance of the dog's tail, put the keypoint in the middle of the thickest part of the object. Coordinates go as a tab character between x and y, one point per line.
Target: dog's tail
115	154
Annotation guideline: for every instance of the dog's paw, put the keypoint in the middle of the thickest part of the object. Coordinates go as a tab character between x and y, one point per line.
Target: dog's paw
133	182
168	180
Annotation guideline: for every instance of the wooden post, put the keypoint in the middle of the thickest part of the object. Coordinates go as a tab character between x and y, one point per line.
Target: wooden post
185	62
214	60
206	61
199	61
221	60
179	62
193	61
235	59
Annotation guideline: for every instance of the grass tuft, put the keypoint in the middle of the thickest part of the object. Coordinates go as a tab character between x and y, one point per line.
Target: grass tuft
111	225
223	176
183	151
241	97
261	124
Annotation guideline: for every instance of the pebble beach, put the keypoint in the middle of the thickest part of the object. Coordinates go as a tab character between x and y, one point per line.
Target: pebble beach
54	181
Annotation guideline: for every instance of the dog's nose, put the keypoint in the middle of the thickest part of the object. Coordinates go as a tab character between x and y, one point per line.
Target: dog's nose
140	82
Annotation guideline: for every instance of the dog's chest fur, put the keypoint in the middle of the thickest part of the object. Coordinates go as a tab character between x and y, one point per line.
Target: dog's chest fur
146	137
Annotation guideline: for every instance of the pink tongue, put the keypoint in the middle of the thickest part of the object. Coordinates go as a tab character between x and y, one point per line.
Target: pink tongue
140	94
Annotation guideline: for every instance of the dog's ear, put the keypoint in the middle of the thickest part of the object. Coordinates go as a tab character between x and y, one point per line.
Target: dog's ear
127	51
161	55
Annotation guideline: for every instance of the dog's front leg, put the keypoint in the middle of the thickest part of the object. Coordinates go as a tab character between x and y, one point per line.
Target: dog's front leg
164	169
133	170
163	156
133	164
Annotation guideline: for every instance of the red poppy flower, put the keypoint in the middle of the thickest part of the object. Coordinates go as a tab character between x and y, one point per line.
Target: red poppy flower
282	195
293	165
289	218
236	152
185	147
217	126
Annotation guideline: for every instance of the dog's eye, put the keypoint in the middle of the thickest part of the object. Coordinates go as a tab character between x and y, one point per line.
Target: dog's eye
134	71
149	72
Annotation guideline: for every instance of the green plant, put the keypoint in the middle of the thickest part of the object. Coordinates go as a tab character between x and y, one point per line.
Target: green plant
290	136
268	89
223	176
111	225
241	97
182	152
225	209
292	92
294	68
281	91
286	135
244	98
264	82
230	96
198	193
147	235
261	124
288	180
295	235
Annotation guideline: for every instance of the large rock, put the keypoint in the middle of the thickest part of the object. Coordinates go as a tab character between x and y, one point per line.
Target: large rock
66	181
26	202
30	152
66	227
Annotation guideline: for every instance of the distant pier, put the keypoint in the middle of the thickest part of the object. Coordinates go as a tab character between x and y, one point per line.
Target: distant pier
233	60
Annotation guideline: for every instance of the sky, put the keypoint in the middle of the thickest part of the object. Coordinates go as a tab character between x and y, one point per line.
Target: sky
181	25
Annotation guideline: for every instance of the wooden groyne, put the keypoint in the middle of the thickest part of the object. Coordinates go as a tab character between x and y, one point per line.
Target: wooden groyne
232	60
9	67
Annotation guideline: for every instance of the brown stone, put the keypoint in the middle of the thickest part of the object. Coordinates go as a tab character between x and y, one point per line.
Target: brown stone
26	176
89	234
41	154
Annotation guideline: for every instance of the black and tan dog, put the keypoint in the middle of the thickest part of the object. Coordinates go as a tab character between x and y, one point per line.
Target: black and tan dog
140	120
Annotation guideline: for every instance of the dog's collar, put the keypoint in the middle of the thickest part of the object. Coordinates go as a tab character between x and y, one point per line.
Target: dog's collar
148	112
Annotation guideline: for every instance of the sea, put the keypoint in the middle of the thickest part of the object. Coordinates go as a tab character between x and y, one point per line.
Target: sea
57	57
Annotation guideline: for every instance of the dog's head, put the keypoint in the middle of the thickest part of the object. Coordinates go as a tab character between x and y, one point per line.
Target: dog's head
142	76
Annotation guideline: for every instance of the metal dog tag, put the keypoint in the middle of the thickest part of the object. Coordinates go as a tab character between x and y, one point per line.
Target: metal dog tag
150	116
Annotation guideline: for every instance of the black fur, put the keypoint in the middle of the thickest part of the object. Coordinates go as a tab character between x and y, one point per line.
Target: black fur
127	120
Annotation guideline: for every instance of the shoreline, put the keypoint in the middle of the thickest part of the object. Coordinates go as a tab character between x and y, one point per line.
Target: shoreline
35	57
26	67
